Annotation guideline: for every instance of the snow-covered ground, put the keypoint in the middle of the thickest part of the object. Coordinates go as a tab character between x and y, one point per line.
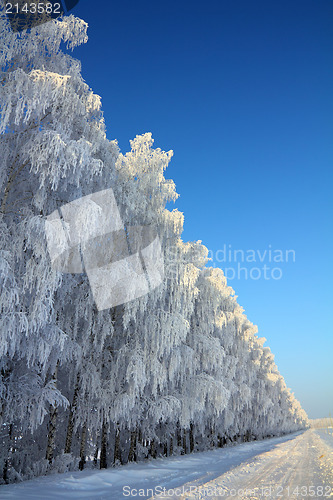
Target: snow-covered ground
296	466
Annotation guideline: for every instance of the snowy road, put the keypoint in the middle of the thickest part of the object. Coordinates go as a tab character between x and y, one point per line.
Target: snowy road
295	466
298	468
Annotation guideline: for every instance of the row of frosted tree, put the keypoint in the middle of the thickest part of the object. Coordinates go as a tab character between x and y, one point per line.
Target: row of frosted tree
178	370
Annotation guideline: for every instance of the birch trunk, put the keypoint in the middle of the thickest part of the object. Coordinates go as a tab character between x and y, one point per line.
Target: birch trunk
52	433
70	425
152	450
185	441
83	447
171	445
165	449
52	426
179	435
132	452
96	451
7	460
191	437
104	437
117	455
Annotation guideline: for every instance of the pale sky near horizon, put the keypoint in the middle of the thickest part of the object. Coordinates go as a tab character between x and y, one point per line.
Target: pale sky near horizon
242	92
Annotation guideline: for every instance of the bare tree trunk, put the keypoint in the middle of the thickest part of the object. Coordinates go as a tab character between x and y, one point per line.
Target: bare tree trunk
184	442
221	441
9	452
142	441
132	452
191	438
52	433
104	437
179	435
96	451
83	447
212	436
117	455
52	425
140	438
171	446
70	425
153	451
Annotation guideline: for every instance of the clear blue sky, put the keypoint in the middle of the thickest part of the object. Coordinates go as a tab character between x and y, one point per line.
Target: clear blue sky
242	92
